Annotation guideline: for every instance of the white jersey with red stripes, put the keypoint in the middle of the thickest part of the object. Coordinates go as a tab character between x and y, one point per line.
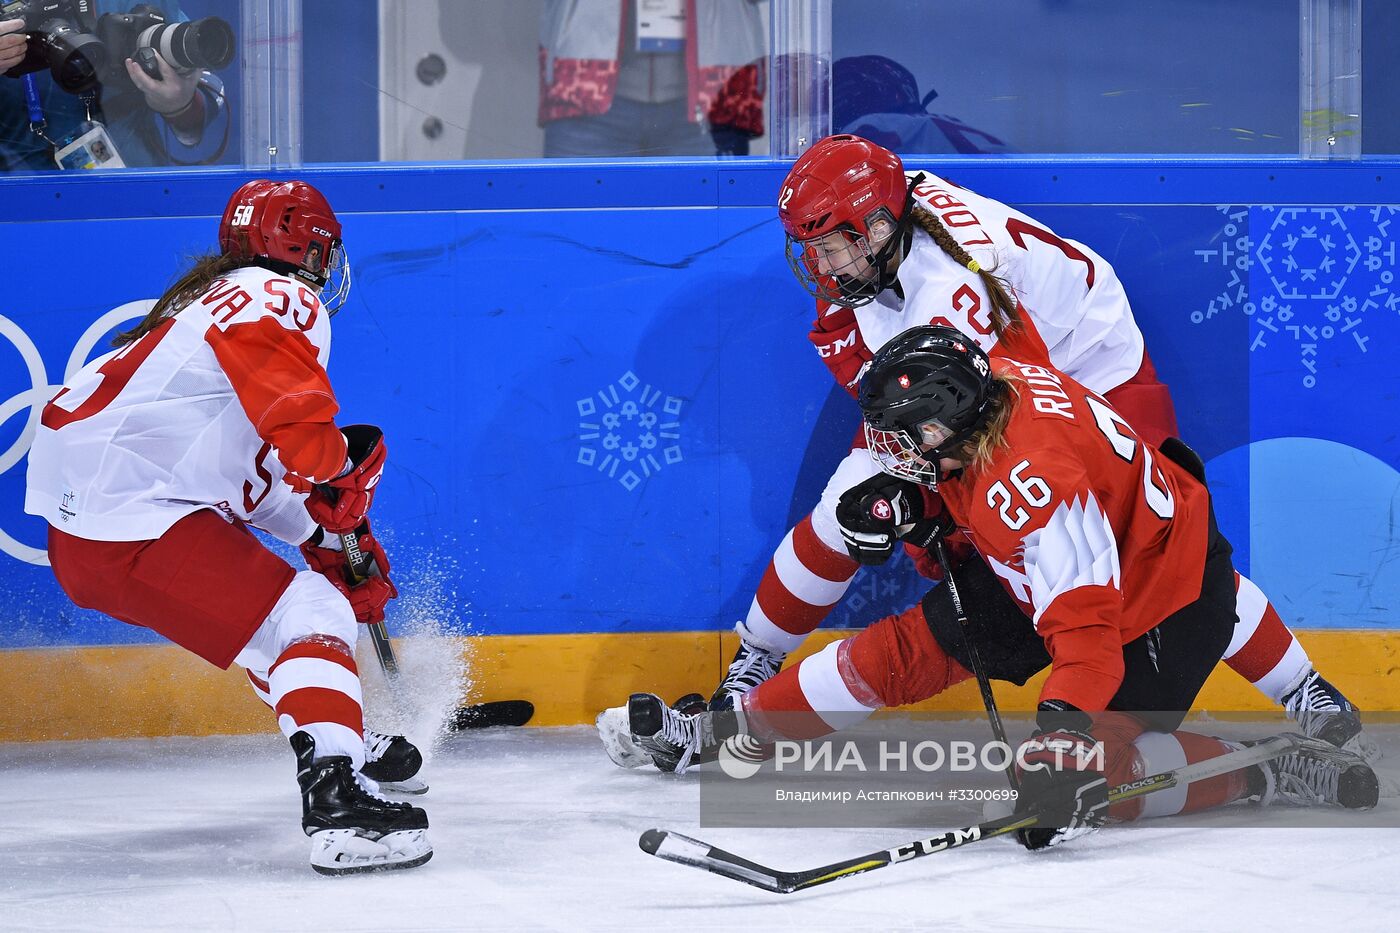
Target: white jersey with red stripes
210	409
1075	310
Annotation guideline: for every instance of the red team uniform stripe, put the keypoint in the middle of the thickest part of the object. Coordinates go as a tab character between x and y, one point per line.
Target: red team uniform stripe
323	648
309	705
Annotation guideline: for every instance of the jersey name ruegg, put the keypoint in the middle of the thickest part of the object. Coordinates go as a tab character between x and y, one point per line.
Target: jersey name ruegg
1047	392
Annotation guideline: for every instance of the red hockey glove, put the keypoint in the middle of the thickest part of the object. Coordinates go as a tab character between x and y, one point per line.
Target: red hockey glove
341	504
1061	778
368	596
836	335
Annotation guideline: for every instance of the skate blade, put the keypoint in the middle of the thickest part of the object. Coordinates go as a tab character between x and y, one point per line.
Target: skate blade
411	787
615	732
346	852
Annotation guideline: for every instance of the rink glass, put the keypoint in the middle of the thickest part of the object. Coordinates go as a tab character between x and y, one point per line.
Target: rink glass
318	81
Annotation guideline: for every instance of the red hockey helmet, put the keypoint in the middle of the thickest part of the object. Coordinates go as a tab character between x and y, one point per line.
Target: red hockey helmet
290	226
845	208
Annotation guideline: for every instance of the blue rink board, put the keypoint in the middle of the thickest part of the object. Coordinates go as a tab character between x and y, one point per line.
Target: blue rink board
602	412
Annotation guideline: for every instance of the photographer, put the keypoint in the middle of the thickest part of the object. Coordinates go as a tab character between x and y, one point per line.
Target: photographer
129	119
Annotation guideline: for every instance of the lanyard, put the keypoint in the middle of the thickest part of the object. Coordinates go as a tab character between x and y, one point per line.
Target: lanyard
37	123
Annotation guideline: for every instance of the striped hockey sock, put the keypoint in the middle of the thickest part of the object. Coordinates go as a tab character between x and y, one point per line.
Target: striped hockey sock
258	681
315	688
803	581
1263	650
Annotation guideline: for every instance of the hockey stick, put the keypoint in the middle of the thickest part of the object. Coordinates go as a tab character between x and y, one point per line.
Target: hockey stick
673	847
491	713
360	565
472	716
974	655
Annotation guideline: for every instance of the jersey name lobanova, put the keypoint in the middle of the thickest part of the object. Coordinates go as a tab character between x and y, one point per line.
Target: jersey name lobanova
1080	319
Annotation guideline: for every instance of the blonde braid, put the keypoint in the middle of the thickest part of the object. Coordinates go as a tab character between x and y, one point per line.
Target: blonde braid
1003	312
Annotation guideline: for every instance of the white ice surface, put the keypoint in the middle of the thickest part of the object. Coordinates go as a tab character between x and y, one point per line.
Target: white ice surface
535	829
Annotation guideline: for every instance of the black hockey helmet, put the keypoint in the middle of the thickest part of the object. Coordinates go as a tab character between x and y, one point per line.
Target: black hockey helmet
927	391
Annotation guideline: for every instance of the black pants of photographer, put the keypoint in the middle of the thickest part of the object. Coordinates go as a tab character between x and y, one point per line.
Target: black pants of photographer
1163	669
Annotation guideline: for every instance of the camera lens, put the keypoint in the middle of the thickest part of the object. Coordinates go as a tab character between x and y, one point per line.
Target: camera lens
204	43
75	58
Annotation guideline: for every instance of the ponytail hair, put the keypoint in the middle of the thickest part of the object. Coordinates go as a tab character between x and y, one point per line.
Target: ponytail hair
979	449
204	272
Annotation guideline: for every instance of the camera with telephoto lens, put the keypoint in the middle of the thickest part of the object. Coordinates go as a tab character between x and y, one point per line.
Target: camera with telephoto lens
81	49
58	42
204	43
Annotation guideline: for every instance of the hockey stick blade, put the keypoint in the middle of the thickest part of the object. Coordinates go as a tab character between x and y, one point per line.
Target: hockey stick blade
683	850
674	847
495	713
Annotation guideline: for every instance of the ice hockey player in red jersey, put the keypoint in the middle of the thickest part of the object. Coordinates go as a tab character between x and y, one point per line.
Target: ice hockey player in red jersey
1112	573
216	413
884	250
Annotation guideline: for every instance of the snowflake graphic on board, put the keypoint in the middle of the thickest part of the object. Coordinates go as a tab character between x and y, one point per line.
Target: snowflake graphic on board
621	432
1326	269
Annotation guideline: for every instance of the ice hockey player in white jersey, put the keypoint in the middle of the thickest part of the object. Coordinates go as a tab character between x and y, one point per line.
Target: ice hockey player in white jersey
884	250
214	413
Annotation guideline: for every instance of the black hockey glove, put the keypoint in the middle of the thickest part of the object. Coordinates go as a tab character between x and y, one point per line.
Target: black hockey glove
1061	778
930	530
872	512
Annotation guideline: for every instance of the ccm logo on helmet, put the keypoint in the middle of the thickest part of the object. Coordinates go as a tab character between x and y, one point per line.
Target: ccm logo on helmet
325	233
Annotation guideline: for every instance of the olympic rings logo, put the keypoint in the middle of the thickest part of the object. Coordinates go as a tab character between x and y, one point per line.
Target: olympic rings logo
35	398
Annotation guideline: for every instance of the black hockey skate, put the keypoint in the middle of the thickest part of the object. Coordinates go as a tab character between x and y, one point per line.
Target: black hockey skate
393	762
751	666
1316	774
352	829
675	740
615	731
1322	712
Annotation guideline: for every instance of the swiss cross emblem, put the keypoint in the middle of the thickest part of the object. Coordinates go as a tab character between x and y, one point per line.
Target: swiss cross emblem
903	381
959	347
881	509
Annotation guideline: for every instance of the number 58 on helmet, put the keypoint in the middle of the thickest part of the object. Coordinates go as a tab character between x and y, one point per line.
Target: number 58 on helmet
288	227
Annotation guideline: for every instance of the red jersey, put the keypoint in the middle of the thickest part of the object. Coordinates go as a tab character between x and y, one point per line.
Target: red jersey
1097	535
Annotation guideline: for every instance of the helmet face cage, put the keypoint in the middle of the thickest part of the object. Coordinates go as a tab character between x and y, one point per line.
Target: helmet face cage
898	454
926	394
855	271
845	197
336	288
